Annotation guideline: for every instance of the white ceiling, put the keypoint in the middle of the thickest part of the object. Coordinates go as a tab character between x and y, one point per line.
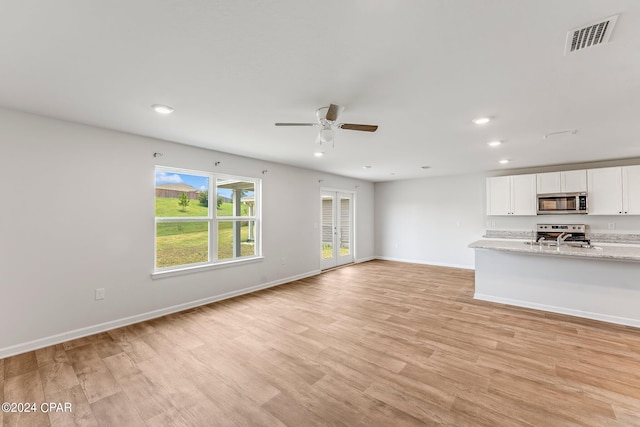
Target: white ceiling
421	70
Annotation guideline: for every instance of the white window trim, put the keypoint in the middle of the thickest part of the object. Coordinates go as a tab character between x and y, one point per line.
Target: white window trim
194	268
212	219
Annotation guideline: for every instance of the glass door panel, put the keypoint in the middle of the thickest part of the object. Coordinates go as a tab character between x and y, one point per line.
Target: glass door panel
327	227
345	226
337	229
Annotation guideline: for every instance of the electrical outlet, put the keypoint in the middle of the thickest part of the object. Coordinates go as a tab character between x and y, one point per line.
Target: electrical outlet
99	293
611	226
284	260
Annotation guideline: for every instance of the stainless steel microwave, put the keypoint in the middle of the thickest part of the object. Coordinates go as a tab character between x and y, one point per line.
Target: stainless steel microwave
562	203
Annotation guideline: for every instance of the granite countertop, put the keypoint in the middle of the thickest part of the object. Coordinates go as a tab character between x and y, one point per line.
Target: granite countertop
623	238
602	252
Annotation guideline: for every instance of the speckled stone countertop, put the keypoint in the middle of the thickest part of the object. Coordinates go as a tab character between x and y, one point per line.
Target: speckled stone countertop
604	252
594	237
615	238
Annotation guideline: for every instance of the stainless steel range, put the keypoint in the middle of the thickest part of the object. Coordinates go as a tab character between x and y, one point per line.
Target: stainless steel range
559	233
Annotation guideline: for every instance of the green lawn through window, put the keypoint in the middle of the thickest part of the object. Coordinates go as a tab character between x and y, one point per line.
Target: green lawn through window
183	243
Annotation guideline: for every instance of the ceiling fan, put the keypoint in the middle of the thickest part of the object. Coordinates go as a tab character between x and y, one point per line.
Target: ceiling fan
327	117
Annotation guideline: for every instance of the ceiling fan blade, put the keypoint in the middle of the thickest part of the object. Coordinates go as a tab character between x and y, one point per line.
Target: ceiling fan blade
364	128
296	124
332	112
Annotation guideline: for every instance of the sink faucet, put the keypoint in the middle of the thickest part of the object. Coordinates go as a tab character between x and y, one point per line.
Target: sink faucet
540	240
562	237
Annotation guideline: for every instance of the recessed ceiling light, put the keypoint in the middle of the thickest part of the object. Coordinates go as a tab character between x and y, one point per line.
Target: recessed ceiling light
162	109
482	120
504	161
366	167
318	154
392	173
425	167
494	143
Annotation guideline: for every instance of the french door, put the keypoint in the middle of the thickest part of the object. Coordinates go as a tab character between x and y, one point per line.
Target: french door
337	229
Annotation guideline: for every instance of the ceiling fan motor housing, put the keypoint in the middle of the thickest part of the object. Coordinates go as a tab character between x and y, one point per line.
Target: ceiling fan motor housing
321	113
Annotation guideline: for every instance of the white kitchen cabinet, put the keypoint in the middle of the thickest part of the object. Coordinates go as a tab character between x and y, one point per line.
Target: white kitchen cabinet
573	181
548	182
499	195
523	195
614	191
562	182
605	191
631	190
511	195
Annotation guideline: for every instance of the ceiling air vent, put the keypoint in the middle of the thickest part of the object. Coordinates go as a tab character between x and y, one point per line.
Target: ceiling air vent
590	35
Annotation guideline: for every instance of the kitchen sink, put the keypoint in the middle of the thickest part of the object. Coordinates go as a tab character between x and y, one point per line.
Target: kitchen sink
549	243
580	245
570	244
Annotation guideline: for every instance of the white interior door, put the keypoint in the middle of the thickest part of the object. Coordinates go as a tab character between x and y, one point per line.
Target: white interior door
337	229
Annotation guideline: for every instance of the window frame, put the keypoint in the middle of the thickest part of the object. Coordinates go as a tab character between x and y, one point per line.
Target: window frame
212	220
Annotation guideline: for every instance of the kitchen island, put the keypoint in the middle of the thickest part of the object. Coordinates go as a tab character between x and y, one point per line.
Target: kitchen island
601	282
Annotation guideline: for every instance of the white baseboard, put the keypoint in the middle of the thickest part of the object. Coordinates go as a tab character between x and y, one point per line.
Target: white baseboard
416	261
106	326
359	260
560	310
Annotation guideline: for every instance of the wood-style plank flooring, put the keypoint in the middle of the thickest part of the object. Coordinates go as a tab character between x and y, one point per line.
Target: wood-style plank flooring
373	344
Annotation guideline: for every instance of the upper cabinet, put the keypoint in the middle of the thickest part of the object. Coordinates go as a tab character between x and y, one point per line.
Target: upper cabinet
562	182
574	181
631	190
511	195
614	191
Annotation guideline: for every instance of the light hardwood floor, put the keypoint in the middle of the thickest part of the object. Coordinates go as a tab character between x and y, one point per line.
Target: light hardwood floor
374	344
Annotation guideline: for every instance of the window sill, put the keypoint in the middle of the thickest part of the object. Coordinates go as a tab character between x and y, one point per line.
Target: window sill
197	268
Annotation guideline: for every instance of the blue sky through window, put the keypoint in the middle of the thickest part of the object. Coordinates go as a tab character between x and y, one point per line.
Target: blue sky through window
201	183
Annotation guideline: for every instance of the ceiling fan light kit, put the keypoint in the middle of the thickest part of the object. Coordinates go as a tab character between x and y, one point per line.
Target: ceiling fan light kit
326	120
325	135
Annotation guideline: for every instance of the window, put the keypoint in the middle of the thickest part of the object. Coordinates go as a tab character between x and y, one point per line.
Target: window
204	219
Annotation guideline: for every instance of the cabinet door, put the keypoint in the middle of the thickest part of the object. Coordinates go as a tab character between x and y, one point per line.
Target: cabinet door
605	191
574	181
631	190
523	194
498	196
548	182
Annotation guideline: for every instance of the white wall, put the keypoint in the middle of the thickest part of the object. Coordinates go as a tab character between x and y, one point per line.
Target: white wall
77	214
429	220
